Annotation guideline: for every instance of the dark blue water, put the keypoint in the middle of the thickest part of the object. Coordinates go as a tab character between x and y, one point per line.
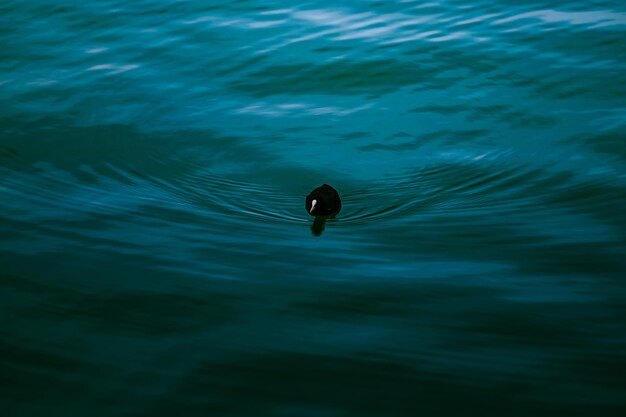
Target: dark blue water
156	258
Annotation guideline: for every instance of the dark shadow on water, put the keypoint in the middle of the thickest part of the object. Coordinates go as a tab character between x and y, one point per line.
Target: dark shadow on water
319	224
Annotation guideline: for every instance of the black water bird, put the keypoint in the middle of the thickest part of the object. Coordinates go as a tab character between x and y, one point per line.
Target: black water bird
323	201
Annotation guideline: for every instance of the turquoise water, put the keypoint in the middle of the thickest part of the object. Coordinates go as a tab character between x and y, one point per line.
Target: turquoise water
156	258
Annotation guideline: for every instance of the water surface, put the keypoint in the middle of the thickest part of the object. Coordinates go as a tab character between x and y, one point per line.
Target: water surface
156	257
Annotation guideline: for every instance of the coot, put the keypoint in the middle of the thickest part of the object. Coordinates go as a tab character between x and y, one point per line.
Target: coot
323	201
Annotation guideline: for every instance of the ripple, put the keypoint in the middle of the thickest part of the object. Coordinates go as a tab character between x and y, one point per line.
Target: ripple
441	188
593	19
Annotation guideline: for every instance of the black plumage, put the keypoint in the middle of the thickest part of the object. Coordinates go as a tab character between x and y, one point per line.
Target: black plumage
323	201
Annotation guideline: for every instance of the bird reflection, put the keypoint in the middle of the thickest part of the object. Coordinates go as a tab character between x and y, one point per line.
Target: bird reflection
318	226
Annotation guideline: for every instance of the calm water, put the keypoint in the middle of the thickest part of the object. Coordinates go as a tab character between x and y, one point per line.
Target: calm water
156	258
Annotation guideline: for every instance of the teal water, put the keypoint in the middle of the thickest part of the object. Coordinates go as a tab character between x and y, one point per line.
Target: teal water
156	258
